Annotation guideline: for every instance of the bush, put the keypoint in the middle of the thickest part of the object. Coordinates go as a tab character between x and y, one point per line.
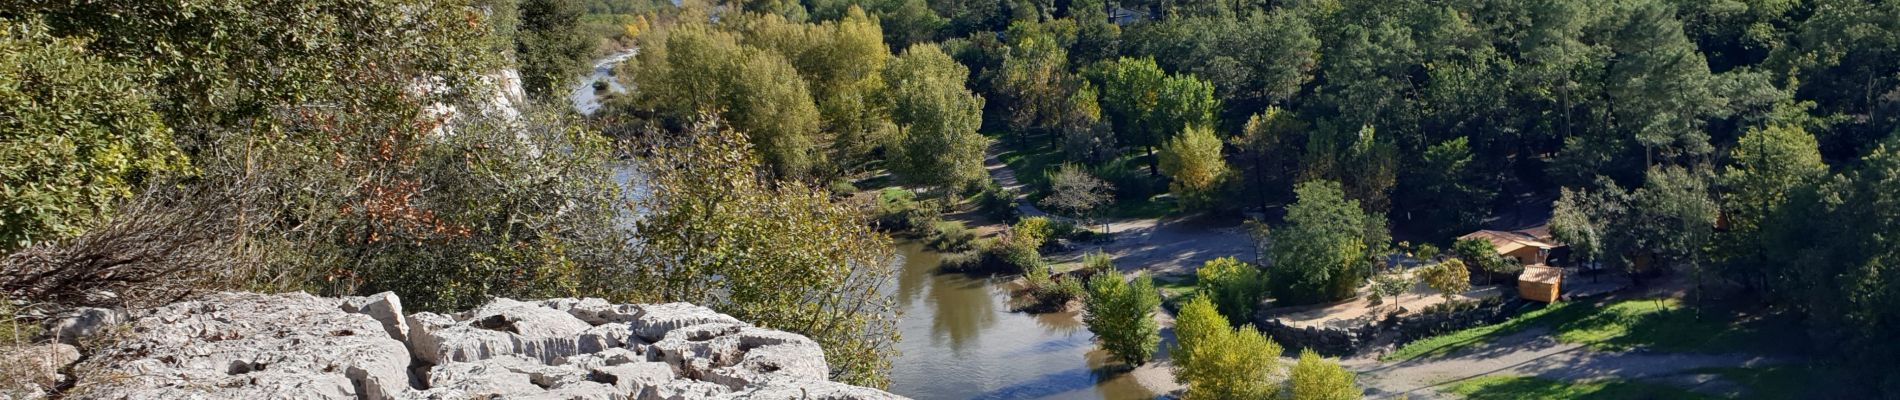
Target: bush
950	236
970	261
1121	314
997	201
1217	361
1234	286
1017	256
899	210
77	136
1316	378
1037	230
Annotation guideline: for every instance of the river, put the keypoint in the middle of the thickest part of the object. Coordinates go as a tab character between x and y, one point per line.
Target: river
959	339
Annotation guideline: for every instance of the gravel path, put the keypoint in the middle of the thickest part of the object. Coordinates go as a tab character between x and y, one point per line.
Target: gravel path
1533	353
1163	246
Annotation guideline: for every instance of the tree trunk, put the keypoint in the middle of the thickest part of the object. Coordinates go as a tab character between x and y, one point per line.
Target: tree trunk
1154	169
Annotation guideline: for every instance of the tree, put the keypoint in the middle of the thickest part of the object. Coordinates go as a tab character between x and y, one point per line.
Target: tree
1217	361
1144	104
1321	253
1448	277
1269	147
1481	253
1448	189
1193	161
1673	217
1073	190
1365	165
697	69
550	46
1234	286
1315	378
938	117
779	255
1121	315
1390	286
1578	220
1768	165
79	136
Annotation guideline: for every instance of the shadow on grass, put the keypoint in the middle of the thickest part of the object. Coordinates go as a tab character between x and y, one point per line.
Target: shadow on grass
1517	387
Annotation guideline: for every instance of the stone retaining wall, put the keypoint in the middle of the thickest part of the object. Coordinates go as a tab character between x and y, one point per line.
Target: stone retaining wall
1350	337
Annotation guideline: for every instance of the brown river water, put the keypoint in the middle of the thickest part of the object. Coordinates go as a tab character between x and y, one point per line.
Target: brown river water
960	341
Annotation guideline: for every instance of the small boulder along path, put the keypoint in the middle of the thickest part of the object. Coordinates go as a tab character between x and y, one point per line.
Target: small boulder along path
1535	352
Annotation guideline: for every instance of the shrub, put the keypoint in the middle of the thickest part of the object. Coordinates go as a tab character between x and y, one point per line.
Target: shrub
1018	255
950	236
1217	361
77	135
1315	378
996	201
963	262
1037	230
1234	286
899	210
1097	262
1120	313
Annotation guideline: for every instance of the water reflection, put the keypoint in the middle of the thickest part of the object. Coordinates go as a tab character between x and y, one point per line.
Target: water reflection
960	341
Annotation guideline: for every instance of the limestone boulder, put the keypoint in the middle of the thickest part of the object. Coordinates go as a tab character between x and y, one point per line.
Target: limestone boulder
247	345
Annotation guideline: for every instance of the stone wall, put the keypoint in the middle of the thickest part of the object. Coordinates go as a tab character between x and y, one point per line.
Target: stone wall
1350	337
255	346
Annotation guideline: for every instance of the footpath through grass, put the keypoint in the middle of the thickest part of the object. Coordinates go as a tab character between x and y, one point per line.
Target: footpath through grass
1656	324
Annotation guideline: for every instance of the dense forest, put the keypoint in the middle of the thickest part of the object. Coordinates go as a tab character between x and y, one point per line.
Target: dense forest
157	149
1748	141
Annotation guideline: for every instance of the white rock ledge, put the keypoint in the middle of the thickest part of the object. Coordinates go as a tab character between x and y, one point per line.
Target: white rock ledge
298	346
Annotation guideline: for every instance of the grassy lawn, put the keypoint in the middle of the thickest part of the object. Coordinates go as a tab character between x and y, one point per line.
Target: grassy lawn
1519	387
1033	166
1782	381
1661	325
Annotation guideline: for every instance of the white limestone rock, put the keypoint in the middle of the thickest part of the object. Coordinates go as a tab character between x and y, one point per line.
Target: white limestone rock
247	345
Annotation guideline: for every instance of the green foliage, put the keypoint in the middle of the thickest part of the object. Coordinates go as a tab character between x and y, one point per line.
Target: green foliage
1450	277
950	236
550	46
1037	231
1315	378
1320	254
1121	315
1145	105
779	255
898	209
938	119
1193	161
1015	254
77	135
1098	262
1449	190
1217	361
1270	144
1481	253
1501	387
1234	286
1768	166
694	69
1391	286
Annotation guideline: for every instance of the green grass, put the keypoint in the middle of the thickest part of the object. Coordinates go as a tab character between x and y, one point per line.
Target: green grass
1520	387
1661	325
1469	337
1782	381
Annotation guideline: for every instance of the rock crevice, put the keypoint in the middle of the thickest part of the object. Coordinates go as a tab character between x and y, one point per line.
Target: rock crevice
256	346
